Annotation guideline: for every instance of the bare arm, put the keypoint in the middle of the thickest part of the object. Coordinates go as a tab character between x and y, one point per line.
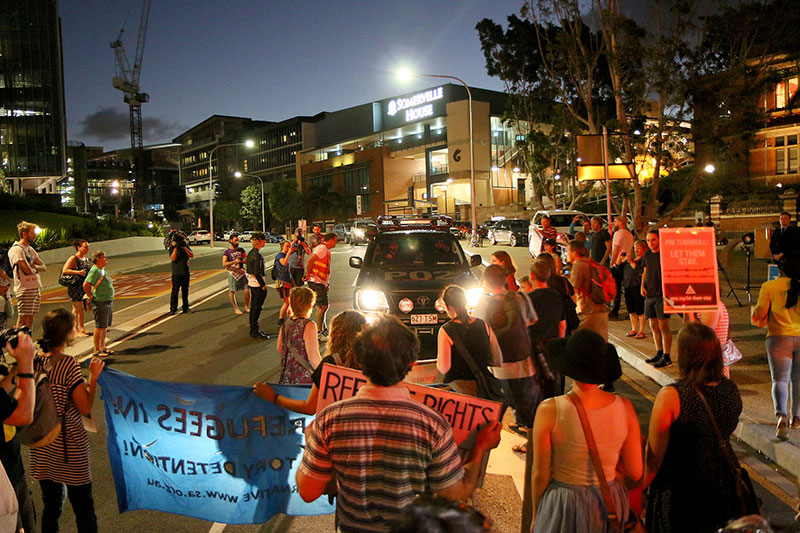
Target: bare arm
309	488
311	340
488	438
83	395
607	252
69	267
631	453
26	391
666	409
543	426
306	407
644	277
189	252
444	346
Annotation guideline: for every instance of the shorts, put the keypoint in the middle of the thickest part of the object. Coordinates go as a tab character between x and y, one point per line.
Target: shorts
297	276
283	288
237	284
321	291
654	307
28	301
103	313
634	301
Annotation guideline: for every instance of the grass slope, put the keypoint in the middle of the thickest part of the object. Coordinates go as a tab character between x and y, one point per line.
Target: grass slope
54	221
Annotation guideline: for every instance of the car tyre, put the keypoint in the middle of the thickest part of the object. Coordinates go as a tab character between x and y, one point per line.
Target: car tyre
494	241
513	240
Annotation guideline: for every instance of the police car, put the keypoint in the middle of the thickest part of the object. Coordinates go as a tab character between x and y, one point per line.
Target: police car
407	264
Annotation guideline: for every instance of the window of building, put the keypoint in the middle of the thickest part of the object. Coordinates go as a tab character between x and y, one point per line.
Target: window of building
785	92
786	154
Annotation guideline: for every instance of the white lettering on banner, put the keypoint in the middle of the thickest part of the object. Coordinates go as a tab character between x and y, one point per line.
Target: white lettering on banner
415	101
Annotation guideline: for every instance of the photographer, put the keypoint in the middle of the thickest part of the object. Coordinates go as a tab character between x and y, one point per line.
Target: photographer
179	254
297	265
17	399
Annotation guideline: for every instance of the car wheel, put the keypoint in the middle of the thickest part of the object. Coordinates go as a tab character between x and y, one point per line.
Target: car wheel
513	241
494	241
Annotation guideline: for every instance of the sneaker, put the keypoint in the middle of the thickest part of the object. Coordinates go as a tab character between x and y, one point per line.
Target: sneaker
655	359
795	422
782	429
664	362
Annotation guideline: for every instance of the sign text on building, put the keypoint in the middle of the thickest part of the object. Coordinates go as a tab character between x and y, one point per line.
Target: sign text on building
416	106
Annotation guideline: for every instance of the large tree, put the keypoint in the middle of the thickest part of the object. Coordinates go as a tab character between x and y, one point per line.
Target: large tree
284	200
250	205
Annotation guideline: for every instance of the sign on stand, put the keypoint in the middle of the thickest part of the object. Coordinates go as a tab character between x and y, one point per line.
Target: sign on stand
689	275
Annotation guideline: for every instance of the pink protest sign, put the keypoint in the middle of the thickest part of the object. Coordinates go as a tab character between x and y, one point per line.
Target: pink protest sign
689	275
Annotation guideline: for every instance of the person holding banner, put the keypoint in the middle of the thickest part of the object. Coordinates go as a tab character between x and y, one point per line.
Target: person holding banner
388	446
65	461
565	487
778	310
345	327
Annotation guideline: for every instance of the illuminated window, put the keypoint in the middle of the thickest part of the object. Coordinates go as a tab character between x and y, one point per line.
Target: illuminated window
786	154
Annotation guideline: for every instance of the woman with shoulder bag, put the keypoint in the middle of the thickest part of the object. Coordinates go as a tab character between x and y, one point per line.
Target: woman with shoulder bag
464	332
690	467
77	266
65	461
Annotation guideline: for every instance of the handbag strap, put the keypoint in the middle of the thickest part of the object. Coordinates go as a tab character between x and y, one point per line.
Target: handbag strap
598	466
465	354
724	445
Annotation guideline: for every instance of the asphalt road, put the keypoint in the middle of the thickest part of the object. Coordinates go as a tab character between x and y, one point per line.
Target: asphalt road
211	346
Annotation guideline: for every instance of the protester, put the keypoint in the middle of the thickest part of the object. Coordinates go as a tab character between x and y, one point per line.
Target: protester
505	262
386	445
525	284
548	231
316	238
654	302
601	242
16	410
65	461
691	483
318	272
99	289
464	337
233	259
345	327
26	263
786	238
298	343
562	286
583	235
565	487
778	311
78	266
550	249
548	304
255	280
621	249
718	320
179	255
510	314
633	268
283	279
297	264
593	315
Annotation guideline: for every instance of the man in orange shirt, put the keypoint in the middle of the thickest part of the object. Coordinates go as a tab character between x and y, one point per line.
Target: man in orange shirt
318	272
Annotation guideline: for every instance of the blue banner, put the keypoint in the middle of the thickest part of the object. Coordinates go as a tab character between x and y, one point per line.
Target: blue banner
219	453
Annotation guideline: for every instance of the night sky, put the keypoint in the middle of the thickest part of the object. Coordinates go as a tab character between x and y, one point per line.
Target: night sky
266	60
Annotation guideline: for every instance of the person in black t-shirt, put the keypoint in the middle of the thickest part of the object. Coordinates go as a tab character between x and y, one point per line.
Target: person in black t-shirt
548	304
179	254
654	302
601	242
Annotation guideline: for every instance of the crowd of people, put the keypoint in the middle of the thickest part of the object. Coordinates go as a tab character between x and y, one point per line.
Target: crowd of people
380	450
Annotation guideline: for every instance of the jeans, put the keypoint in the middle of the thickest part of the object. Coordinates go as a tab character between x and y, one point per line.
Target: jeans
180	282
80	496
257	297
525	395
783	355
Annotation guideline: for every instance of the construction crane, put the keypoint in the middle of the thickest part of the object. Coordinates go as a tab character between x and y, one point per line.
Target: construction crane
127	81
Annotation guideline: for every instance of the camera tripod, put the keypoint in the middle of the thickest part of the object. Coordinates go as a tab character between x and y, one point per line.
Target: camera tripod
730	286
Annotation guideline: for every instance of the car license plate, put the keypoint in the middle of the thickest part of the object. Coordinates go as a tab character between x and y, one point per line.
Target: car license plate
425	319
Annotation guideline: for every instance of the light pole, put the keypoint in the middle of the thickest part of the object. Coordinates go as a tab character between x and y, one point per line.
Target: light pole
247	143
405	74
263	218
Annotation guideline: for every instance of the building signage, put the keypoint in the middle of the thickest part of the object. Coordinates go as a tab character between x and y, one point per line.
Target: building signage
415	107
689	276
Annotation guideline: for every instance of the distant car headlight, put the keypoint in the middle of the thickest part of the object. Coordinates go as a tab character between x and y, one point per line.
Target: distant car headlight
372	300
405	305
440	305
473	297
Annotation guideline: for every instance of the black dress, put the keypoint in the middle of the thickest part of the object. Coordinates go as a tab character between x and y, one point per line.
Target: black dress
695	490
75	292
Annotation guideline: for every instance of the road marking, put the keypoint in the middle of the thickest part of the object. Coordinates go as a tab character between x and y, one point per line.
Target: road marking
217	528
638	388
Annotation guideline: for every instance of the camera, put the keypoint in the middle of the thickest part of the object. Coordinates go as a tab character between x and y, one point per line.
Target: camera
9	336
179	239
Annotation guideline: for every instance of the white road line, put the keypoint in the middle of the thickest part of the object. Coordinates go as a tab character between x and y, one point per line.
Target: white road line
217	528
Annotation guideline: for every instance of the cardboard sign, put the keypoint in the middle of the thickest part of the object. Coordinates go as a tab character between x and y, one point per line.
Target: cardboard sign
773	272
689	275
464	413
422	373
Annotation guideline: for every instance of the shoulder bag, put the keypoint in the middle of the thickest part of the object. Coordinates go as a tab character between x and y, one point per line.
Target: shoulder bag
730	353
488	386
46	424
633	524
27	281
70	280
748	500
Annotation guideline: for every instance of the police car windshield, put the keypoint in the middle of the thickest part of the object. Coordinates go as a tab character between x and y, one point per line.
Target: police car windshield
424	249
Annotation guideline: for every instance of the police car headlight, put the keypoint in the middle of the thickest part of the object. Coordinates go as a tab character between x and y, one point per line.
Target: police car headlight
440	305
473	297
372	300
405	305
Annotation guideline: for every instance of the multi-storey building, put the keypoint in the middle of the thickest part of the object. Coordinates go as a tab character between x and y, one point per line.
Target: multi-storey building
32	121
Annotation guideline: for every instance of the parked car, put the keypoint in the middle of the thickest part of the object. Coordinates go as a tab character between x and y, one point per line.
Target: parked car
273	237
342	232
245	236
513	231
227	235
357	234
199	237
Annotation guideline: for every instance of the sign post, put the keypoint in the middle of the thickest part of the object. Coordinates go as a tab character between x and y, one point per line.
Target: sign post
689	274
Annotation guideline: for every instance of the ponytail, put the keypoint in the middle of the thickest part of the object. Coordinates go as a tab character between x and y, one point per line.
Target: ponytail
453	296
789	265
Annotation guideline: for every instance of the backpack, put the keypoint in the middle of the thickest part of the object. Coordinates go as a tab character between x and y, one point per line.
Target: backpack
5	263
46	424
604	286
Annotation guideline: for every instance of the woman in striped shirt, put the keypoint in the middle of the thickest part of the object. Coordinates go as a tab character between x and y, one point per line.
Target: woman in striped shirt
65	461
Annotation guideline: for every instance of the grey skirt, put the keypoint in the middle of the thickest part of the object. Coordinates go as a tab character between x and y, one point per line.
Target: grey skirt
578	509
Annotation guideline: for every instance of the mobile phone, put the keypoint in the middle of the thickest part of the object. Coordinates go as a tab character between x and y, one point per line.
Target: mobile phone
624	254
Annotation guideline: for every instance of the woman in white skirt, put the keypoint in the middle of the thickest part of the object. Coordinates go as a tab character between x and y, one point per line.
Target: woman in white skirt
566	492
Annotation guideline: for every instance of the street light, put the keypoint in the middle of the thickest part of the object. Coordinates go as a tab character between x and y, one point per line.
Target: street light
238	174
248	143
405	75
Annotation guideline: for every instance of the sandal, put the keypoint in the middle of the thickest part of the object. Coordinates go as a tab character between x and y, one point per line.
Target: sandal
641	335
631	333
520	448
518	428
99	353
106	351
